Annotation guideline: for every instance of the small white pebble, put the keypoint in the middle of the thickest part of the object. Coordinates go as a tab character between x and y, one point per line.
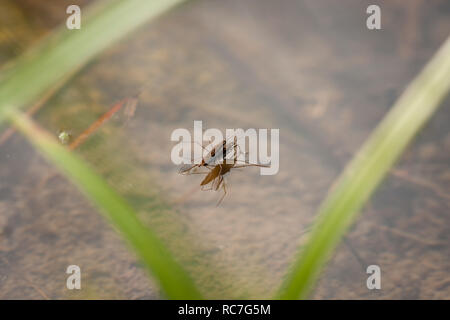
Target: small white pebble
64	137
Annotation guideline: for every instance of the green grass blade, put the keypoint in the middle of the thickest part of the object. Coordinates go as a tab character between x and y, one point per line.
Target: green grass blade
366	171
66	51
174	281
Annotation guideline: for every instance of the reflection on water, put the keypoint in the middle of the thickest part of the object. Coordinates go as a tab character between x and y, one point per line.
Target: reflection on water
309	68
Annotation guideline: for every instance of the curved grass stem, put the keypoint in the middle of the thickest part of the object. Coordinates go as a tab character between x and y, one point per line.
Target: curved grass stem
366	171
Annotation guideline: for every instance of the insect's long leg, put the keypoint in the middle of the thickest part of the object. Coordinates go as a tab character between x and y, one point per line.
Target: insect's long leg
224	192
187	169
211	185
204	188
214	184
246	162
196	142
242	161
217	182
251	165
190	169
201	172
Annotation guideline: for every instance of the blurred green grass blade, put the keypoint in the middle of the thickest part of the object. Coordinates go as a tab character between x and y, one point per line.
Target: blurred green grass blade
366	171
66	51
174	281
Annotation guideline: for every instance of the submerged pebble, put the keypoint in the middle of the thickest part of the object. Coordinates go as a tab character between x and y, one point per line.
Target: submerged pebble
64	137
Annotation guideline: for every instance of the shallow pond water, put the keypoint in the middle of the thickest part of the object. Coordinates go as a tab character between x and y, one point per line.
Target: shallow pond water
311	69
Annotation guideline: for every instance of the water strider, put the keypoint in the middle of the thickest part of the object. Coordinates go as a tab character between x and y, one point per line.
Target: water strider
218	164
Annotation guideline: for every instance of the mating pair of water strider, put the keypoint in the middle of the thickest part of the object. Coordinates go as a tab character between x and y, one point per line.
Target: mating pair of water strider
217	163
